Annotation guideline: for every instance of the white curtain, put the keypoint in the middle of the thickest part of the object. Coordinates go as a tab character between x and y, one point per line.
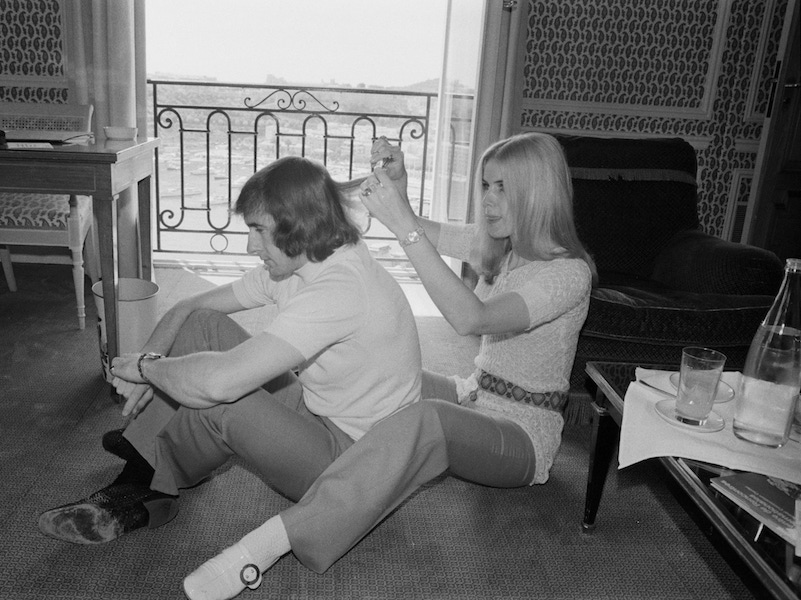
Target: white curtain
106	68
481	55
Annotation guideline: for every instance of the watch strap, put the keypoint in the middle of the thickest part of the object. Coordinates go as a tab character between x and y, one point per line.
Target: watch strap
142	357
412	237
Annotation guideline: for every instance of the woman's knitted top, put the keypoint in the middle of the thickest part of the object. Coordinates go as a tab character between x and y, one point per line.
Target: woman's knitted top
539	359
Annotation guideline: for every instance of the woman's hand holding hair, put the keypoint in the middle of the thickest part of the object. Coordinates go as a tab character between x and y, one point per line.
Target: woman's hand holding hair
385	203
390	158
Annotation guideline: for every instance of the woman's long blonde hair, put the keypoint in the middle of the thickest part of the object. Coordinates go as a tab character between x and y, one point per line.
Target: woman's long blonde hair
536	180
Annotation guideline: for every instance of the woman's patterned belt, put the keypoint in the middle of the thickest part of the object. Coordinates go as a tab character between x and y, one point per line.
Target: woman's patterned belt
550	400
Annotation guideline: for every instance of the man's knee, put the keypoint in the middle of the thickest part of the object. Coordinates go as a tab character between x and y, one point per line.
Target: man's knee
203	318
198	332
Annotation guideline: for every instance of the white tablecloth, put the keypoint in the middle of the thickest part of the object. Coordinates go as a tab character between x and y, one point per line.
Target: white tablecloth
644	434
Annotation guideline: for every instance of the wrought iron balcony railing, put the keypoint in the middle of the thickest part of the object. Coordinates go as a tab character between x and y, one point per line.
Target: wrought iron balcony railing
215	135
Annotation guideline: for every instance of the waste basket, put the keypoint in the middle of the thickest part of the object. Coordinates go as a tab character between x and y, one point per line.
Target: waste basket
137	314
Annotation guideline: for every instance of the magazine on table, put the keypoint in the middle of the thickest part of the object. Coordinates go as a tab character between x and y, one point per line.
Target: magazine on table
772	501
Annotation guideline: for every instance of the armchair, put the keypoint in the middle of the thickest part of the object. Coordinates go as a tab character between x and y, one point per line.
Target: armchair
663	282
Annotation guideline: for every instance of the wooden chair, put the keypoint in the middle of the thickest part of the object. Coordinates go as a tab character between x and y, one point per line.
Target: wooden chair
48	221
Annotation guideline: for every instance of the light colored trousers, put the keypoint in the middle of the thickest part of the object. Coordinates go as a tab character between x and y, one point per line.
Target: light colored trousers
343	489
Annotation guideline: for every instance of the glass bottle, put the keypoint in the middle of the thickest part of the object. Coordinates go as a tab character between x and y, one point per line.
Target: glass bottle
771	378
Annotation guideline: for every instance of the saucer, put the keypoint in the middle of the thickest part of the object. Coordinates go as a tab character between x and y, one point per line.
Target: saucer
724	394
667	410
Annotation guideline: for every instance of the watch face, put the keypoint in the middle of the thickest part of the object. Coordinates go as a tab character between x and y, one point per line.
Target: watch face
249	574
412	237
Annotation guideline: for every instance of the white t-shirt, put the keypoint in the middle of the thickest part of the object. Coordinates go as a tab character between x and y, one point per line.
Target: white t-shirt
353	324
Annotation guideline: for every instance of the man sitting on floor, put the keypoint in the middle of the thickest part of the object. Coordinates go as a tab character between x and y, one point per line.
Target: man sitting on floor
341	354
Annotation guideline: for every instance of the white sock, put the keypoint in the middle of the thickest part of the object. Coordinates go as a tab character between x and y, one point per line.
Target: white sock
268	543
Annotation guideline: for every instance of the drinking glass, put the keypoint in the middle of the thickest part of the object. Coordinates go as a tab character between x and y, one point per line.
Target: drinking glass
698	383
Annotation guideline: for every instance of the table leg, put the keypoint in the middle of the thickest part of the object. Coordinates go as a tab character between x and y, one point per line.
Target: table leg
604	440
145	238
105	211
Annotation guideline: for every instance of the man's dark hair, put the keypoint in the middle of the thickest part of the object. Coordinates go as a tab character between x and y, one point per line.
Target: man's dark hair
305	204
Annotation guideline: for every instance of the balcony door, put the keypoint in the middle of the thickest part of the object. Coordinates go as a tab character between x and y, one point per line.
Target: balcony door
474	41
482	55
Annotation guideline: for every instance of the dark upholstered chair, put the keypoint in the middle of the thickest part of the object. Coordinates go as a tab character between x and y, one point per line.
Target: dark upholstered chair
663	283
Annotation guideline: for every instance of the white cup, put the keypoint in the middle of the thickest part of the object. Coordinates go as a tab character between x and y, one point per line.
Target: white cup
120	133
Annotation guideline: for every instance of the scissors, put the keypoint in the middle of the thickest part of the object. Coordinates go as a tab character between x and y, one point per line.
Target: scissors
382	163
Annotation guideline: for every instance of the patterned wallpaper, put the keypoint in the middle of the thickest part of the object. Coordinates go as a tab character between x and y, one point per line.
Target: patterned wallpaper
32	51
589	51
696	69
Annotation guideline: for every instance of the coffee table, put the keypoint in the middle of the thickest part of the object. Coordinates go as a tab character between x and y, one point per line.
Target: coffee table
612	380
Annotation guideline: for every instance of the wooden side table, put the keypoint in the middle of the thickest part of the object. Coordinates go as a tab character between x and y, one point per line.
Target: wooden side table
101	170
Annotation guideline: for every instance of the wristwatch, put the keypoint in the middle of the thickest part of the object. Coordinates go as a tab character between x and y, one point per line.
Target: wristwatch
413	237
148	356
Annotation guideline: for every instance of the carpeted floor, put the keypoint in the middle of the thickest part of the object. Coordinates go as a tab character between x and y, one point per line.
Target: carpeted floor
451	540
